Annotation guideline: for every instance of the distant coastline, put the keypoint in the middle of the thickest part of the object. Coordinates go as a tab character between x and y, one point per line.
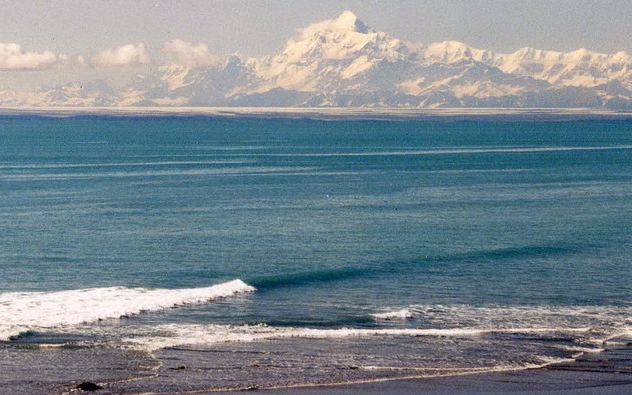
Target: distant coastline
326	113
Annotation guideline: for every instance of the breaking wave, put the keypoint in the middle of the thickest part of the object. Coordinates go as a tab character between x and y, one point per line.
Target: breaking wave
35	311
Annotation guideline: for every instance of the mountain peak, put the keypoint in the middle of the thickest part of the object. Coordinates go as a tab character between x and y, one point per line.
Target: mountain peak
345	23
349	20
344	37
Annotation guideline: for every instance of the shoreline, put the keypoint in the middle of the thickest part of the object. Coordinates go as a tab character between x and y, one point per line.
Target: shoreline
326	113
232	370
188	371
536	381
528	381
601	373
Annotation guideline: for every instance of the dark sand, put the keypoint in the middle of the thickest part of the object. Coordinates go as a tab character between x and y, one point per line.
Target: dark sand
538	381
58	371
609	372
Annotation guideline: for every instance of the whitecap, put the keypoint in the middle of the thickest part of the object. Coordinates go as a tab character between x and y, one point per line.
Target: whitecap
42	311
403	314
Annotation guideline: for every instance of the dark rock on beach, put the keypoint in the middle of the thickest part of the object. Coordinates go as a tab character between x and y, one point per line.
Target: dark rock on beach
88	386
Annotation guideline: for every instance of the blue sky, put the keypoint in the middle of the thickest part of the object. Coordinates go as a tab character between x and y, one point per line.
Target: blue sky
86	29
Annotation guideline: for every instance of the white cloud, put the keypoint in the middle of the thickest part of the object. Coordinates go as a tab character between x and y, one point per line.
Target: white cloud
13	58
125	55
191	55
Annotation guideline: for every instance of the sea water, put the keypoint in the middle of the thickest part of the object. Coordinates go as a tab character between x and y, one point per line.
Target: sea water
187	253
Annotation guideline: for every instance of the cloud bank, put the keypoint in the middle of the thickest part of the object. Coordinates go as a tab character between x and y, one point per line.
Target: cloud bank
125	55
13	58
190	55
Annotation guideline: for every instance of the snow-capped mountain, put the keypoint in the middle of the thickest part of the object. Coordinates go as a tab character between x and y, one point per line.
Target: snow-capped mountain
578	68
343	62
179	85
326	56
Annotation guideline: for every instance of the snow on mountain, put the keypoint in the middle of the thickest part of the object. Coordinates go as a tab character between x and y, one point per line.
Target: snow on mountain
450	52
580	68
180	85
343	62
94	93
327	54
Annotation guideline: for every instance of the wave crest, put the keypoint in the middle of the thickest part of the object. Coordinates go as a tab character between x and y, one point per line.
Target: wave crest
24	311
403	314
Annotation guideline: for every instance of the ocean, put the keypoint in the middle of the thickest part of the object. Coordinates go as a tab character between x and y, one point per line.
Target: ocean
165	254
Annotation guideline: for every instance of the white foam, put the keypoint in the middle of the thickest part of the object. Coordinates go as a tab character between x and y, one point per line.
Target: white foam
402	314
25	311
592	324
450	151
119	164
174	335
228	171
609	318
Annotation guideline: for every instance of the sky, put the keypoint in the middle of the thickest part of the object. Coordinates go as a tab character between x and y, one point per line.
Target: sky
52	41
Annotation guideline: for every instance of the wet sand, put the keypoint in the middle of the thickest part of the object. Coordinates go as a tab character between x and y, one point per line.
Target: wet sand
608	372
58	371
538	381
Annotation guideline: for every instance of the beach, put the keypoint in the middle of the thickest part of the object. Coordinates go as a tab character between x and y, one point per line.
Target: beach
540	382
131	373
608	372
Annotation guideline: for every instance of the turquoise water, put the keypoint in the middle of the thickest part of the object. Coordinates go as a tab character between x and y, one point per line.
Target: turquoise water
366	233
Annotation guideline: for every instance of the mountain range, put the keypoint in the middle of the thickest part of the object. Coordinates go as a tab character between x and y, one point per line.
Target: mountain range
344	63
